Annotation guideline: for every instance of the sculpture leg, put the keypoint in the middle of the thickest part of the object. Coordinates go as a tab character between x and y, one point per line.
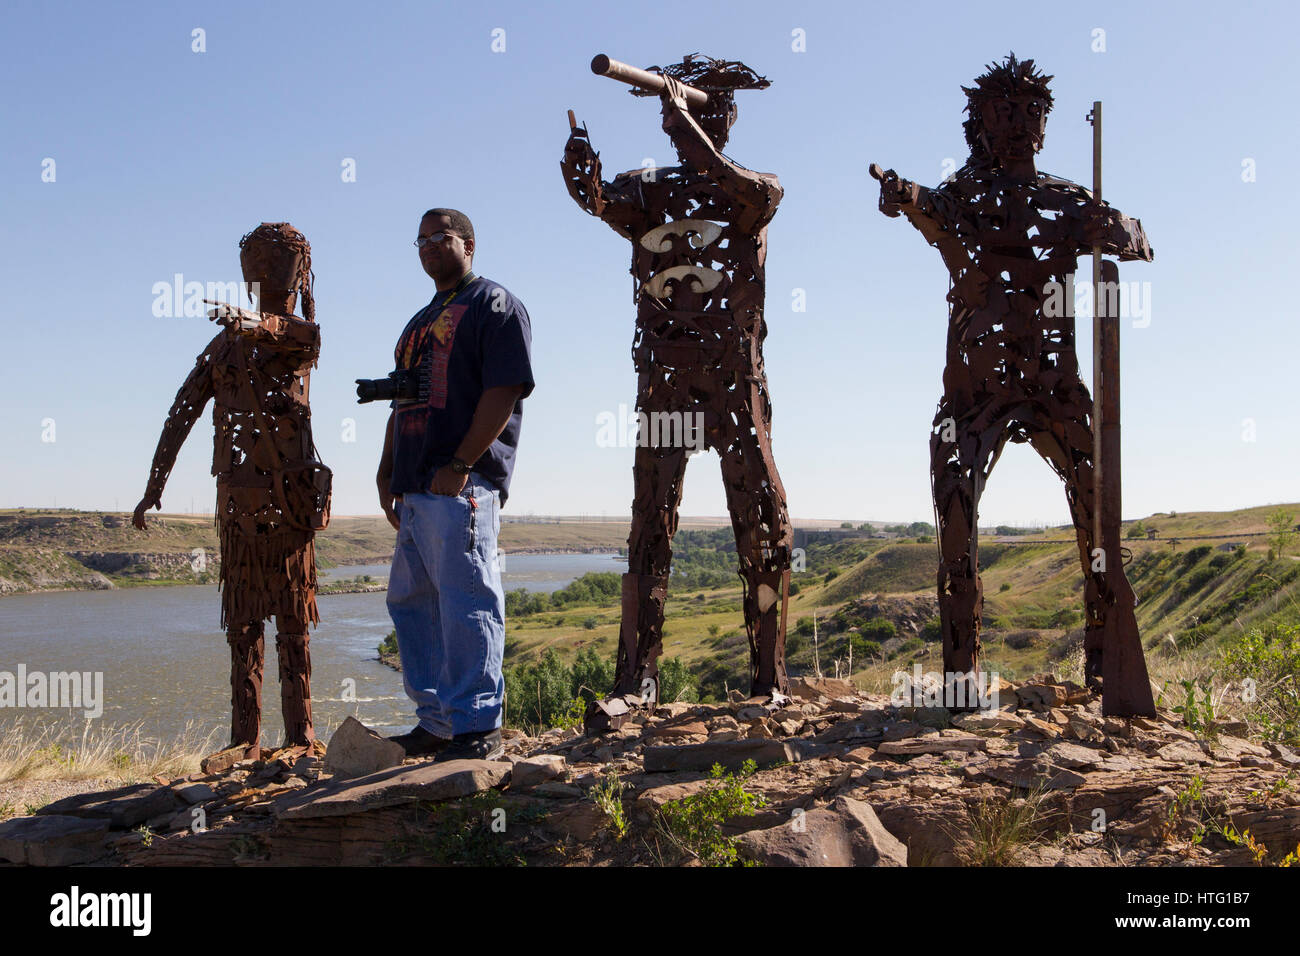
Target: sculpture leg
246	656
1110	629
764	537
291	644
958	453
657	479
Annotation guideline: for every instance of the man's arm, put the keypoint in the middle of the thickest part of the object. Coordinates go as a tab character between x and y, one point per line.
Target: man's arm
384	479
491	415
190	400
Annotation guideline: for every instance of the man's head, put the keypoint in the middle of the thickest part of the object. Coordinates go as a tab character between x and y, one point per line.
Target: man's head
718	78
276	260
449	258
1007	111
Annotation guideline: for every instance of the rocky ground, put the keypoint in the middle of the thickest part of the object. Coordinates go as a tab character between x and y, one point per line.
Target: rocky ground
844	779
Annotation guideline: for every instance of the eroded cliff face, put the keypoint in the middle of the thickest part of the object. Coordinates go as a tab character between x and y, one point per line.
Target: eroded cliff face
79	551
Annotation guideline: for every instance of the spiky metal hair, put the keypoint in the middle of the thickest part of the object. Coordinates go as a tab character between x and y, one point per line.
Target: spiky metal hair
1009	78
710	75
282	236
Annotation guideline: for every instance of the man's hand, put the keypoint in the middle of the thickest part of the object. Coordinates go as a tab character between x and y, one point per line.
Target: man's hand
145	504
388	502
894	192
447	482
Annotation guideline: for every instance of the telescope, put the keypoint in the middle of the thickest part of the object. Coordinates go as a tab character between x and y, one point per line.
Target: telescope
603	65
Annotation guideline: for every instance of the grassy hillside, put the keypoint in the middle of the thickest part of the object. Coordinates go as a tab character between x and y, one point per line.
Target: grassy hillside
875	598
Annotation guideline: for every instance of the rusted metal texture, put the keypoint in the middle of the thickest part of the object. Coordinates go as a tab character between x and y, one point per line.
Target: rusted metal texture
273	493
1011	237
699	240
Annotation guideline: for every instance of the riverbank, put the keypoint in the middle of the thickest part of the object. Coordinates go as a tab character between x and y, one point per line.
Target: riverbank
66	550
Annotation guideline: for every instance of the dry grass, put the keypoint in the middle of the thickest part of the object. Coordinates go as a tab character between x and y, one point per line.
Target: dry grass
999	830
71	751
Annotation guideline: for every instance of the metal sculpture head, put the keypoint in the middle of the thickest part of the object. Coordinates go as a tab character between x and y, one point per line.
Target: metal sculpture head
720	79
277	257
1007	110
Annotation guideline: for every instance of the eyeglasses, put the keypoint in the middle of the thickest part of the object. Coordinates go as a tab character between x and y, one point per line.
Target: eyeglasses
432	239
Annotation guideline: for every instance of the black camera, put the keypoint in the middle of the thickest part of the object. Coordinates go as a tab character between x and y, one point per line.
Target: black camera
403	384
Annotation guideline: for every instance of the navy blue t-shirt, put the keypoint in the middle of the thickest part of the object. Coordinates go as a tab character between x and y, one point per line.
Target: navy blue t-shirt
481	339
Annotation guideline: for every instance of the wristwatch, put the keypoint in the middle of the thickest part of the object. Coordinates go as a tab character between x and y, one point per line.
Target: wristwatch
459	467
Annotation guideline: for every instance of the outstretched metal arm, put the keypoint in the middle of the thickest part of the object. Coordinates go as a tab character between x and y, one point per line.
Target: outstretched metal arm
190	400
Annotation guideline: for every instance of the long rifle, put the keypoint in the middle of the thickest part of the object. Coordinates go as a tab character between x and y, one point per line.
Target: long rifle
1126	688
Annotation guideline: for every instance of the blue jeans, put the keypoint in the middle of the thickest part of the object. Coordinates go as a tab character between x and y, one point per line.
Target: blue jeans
446	602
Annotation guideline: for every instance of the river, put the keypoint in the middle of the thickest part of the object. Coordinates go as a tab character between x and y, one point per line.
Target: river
165	662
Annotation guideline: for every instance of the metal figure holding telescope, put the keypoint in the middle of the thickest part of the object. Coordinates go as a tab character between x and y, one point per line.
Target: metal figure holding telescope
699	241
1011	237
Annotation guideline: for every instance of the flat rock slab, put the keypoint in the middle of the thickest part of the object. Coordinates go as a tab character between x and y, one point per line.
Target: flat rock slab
393	787
123	808
731	754
1234	748
656	797
938	743
688	729
1028	774
1181	751
869	725
989	720
51	840
537	770
845	833
1073	756
193	793
1284	755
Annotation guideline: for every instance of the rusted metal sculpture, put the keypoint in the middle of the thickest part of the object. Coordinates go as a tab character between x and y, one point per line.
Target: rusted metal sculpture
699	241
1011	237
272	492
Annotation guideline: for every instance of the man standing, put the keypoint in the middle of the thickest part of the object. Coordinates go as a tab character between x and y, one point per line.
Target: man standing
443	478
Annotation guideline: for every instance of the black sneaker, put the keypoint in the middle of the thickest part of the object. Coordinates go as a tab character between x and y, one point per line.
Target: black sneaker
483	745
420	743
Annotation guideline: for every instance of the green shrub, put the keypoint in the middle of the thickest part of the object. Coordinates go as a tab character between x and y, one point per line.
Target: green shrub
591	676
676	682
1267	665
694	824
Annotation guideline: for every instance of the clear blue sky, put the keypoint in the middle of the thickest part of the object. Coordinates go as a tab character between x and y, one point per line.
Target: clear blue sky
165	157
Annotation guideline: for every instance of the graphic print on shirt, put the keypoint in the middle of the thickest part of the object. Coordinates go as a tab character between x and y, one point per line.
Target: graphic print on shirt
429	345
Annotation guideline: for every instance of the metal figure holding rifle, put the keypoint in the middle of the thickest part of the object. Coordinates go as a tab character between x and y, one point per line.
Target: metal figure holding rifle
1011	237
699	241
272	493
